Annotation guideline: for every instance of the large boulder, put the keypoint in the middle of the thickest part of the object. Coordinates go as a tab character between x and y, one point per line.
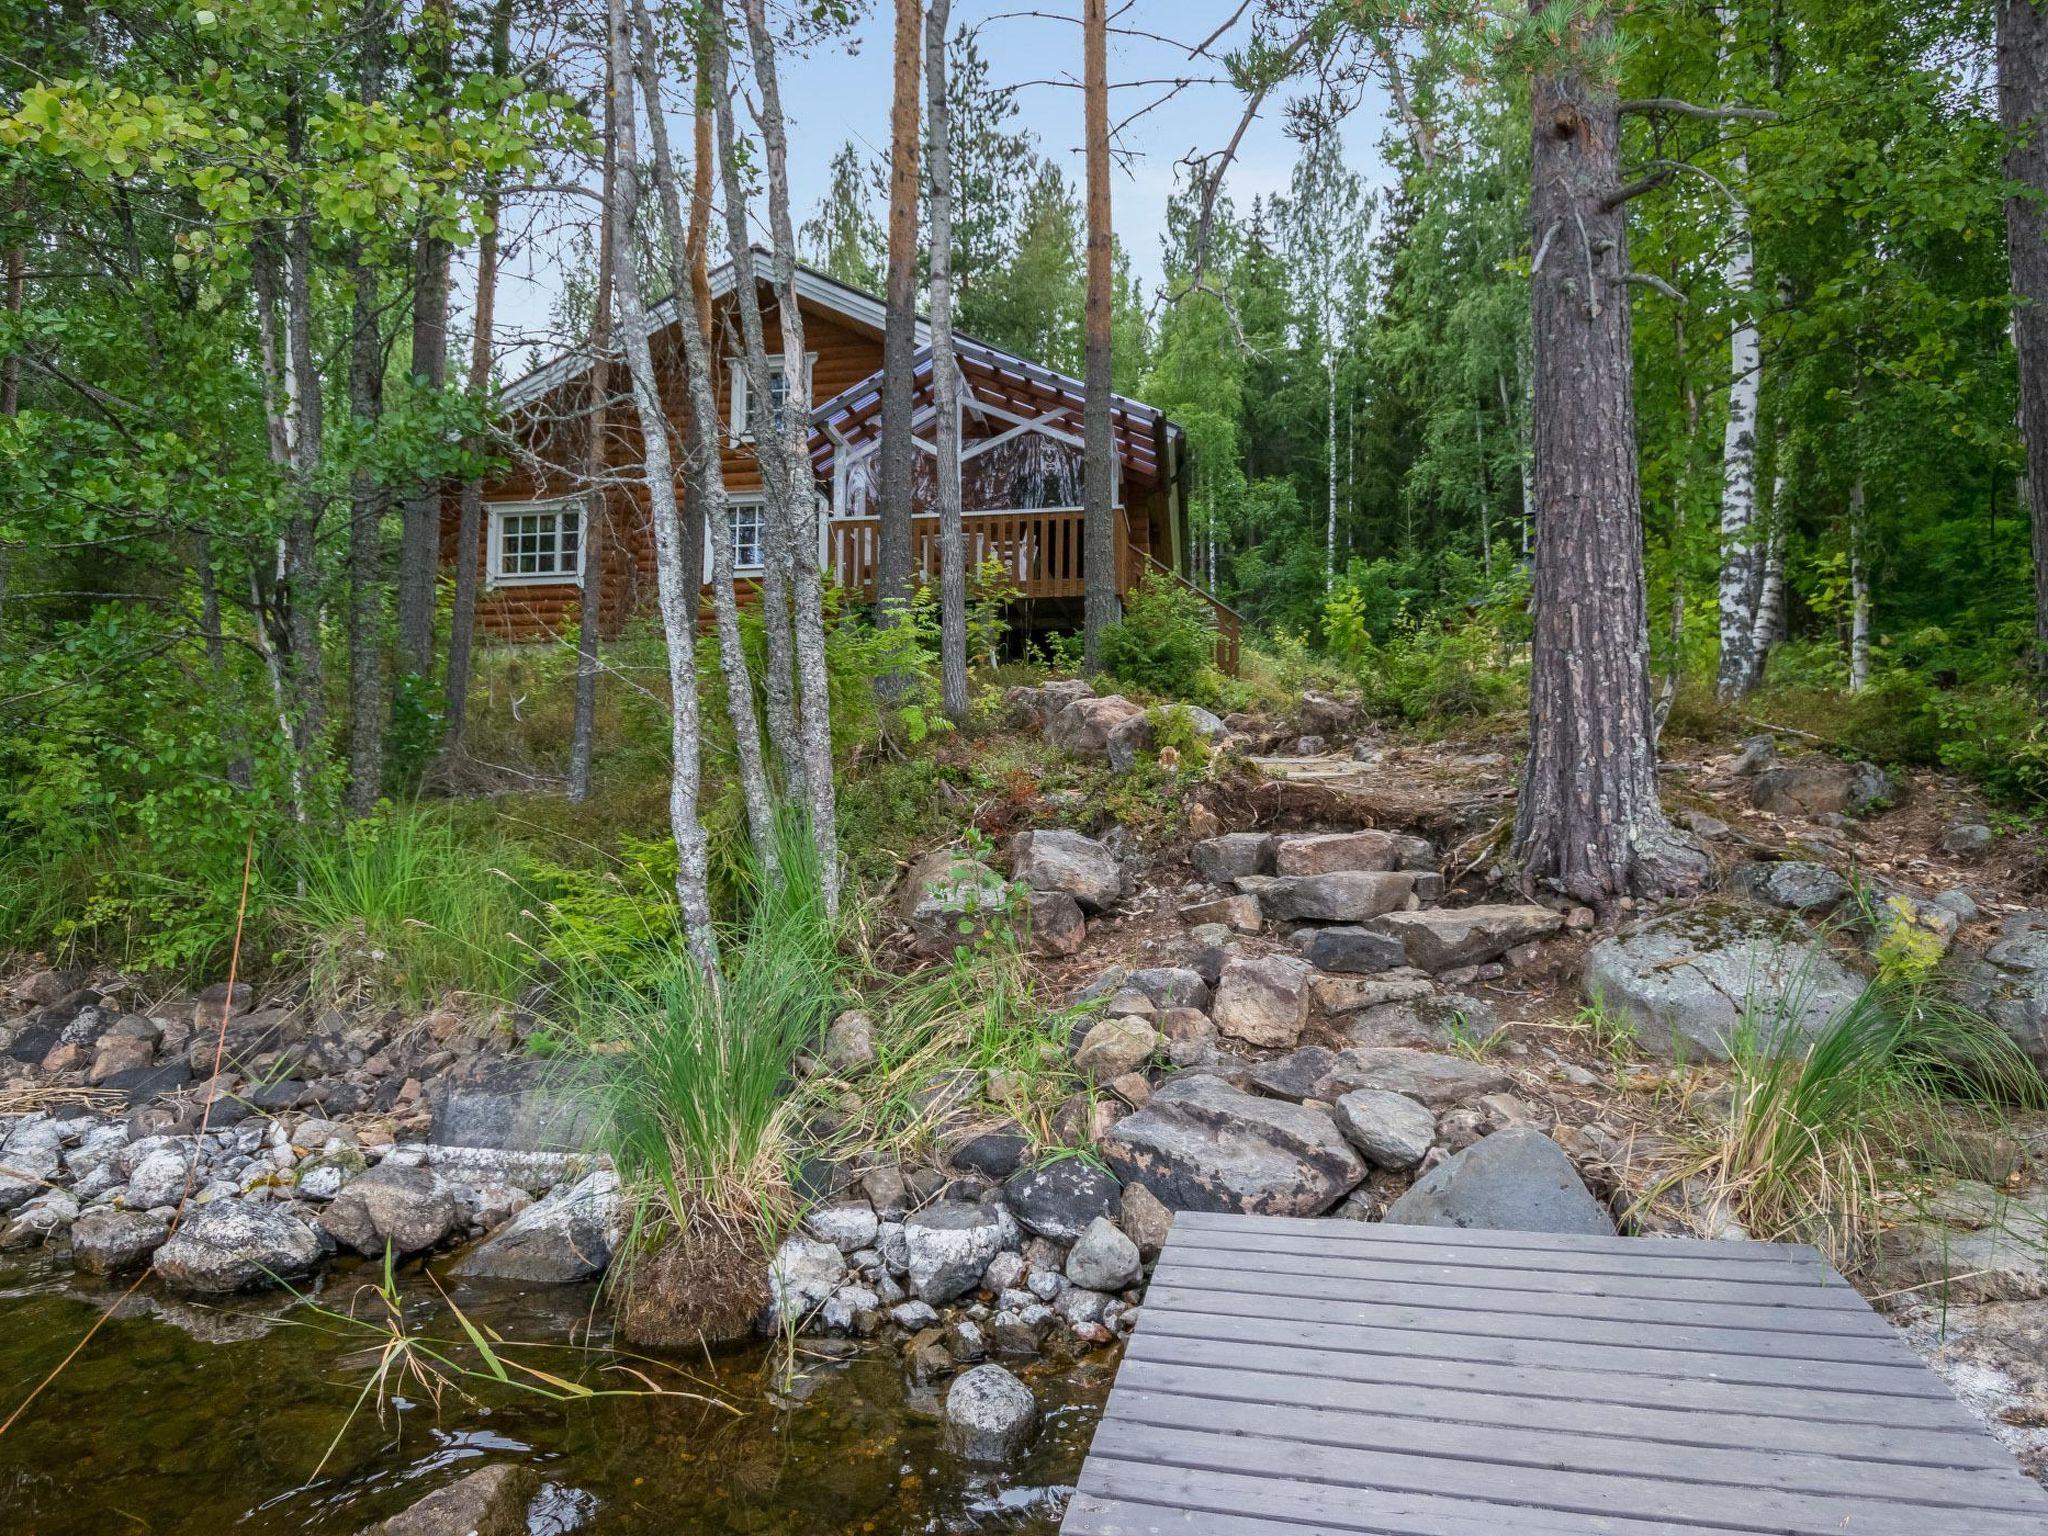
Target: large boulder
990	1415
2009	984
1084	725
1442	938
948	1245
517	1104
1031	708
408	1209
949	900
234	1245
105	1241
1349	896
1688	979
1061	1198
1514	1181
1350	948
1234	855
1201	1145
1059	860
1263	1000
1818	785
1138	737
491	1501
1969	1243
1428	1077
1792	885
1370	850
569	1236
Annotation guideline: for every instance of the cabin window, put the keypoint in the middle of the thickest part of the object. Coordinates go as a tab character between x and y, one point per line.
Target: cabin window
744	518
778	391
536	542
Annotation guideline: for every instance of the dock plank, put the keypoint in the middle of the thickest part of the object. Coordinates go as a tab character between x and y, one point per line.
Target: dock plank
1289	1377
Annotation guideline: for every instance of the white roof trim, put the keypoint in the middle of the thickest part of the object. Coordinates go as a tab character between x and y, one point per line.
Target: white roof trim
826	293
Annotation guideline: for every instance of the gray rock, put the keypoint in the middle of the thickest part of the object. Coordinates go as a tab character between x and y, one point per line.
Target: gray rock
948	1246
2009	984
1114	1047
949	900
1443	937
1295	1075
802	1277
159	1179
1967	840
1263	1000
1171	986
1144	1221
1136	737
1687	978
233	1245
849	1226
1794	885
41	1220
1337	994
1391	1129
1327	853
26	1168
1058	926
1201	1145
1233	914
1757	754
569	1236
850	1042
1354	950
1971	1243
1350	896
1515	1181
489	1502
1818	785
1059	860
1234	855
1059	1199
1429	1077
106	1241
914	1315
1103	1258
1083	726
990	1415
517	1104
411	1209
1958	902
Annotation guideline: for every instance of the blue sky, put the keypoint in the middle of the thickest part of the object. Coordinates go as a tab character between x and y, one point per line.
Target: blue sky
841	91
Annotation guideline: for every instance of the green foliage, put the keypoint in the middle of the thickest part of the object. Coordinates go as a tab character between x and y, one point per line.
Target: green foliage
1165	642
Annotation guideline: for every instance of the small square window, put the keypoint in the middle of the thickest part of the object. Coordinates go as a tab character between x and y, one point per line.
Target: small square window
537	544
744	519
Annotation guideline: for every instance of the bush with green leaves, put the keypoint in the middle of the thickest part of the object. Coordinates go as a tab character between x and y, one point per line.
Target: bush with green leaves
1165	643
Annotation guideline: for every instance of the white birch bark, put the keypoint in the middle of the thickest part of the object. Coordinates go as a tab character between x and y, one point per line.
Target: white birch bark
705	450
692	846
1738	451
1770	599
946	379
1859	592
1330	431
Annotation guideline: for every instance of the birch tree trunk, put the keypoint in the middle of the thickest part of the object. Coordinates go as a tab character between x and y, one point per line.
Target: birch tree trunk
789	442
2023	114
706	475
469	516
596	540
1770	596
420	537
1330	431
946	380
1587	822
268	600
1859	589
1738	594
366	495
899	336
778	563
297	579
692	847
1099	532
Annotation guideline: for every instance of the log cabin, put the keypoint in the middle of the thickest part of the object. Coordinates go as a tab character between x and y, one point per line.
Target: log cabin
1020	474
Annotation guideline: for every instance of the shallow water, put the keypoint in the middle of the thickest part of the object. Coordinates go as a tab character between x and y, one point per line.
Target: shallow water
187	1418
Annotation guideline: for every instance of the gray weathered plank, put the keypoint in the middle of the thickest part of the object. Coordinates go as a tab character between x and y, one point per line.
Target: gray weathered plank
1293	1377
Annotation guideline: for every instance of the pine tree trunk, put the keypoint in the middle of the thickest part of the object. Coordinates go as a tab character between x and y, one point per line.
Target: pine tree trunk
1587	822
596	538
1099	530
899	340
791	442
2023	114
706	476
946	380
692	846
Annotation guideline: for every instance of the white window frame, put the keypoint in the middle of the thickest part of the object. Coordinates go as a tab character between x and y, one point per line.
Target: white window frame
758	505
736	370
494	572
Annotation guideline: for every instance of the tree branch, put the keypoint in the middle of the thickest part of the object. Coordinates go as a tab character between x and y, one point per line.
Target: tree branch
1614	197
1652	280
1690	109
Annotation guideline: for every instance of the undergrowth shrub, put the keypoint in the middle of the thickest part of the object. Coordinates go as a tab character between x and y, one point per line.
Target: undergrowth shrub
1165	643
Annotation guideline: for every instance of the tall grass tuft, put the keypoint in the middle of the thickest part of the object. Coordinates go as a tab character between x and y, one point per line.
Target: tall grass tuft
1814	1132
403	907
695	1069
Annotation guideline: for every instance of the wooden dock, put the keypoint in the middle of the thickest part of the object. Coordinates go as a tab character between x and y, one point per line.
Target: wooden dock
1290	1376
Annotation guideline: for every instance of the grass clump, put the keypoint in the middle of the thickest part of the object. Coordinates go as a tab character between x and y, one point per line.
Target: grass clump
1817	1129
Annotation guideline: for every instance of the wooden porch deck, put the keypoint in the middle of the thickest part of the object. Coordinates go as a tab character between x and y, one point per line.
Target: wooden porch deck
1289	1377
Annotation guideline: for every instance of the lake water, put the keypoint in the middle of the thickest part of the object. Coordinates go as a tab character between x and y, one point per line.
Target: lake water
190	1418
